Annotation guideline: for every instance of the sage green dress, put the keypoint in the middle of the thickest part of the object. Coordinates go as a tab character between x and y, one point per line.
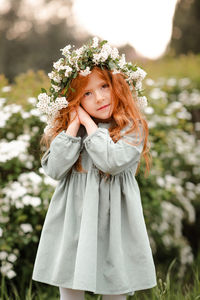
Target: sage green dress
94	236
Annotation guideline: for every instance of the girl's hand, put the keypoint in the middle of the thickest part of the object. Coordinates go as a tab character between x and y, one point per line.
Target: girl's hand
73	117
84	117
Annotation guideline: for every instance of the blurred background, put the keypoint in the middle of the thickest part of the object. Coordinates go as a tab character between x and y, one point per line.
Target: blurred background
163	38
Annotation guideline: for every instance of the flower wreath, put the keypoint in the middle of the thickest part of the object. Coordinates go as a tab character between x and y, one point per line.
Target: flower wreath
81	61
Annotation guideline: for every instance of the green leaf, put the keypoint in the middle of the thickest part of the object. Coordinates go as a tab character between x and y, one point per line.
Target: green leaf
72	89
65	79
103	42
111	64
66	88
74	75
43	90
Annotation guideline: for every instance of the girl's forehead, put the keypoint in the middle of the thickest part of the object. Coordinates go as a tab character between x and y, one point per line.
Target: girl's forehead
94	79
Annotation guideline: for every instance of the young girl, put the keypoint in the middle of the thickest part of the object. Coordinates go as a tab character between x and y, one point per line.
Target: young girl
94	237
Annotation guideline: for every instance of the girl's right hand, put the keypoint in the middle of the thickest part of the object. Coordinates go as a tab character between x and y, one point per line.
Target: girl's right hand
74	123
73	117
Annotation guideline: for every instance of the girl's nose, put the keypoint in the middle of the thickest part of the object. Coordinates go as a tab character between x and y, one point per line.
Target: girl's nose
99	96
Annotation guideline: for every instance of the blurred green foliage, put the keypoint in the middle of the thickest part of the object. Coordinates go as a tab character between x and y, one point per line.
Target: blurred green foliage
178	67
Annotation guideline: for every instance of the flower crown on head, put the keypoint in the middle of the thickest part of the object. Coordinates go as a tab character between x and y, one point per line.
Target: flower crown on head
81	61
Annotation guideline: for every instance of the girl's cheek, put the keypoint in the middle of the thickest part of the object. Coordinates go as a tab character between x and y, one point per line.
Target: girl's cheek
108	93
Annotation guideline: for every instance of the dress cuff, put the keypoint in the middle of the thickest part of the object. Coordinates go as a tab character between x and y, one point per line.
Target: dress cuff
98	132
65	136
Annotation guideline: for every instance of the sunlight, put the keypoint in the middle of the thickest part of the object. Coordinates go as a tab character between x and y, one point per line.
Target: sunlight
145	25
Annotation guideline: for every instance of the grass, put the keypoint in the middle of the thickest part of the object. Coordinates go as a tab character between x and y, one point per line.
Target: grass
169	66
168	288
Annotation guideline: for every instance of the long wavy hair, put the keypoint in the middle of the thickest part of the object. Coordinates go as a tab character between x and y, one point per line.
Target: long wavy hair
125	110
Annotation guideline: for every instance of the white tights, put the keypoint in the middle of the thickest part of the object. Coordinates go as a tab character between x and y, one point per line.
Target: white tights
71	294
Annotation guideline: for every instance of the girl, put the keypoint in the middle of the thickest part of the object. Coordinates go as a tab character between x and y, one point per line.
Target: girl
94	237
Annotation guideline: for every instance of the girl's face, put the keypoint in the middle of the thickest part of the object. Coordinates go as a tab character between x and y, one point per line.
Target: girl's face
96	95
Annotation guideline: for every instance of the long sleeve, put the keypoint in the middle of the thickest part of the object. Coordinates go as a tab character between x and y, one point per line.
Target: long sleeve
62	154
111	157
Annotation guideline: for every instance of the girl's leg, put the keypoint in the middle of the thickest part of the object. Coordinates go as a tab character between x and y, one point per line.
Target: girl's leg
70	294
114	297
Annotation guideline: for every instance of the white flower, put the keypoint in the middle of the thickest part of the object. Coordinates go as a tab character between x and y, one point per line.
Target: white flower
107	48
104	55
138	75
58	65
141	73
115	71
10	274
26	227
9	150
35	112
3	255
65	50
149	81
142	101
49	107
171	81
7	266
44	101
122	61
53	109
77	67
25	115
47	128
61	102
54	76
56	88
29	178
68	71
28	164
12	108
2	101
96	58
51	74
57	78
95	42
6	89
79	51
183	82
85	72
32	100
138	85
114	53
12	257
30	200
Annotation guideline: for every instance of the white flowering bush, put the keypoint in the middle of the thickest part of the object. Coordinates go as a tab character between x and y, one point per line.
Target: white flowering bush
174	186
25	189
170	195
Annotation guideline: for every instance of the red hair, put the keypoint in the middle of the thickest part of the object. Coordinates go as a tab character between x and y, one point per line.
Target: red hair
125	109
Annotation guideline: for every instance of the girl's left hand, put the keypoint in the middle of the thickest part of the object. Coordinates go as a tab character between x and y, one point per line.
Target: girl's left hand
84	117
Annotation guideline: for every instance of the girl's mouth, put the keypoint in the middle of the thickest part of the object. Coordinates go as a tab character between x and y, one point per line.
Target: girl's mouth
103	106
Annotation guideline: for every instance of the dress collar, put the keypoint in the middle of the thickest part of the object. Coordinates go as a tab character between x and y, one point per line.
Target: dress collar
104	125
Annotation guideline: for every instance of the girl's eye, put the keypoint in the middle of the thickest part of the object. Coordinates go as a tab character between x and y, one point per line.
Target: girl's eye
105	85
87	94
